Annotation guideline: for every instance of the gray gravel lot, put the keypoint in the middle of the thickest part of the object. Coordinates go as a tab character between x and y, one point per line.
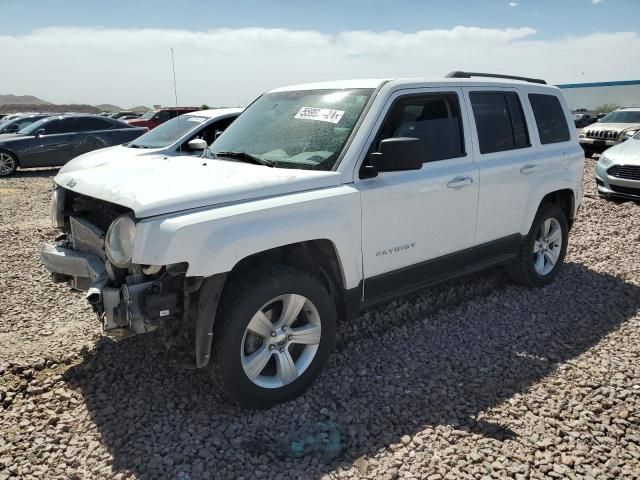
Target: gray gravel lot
472	379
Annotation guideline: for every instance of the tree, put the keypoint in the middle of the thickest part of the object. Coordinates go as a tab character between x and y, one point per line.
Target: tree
607	108
204	107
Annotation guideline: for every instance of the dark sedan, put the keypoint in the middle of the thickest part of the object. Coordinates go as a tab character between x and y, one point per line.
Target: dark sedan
16	124
53	141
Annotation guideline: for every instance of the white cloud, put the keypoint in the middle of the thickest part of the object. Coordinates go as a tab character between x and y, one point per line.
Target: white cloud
231	66
595	2
513	4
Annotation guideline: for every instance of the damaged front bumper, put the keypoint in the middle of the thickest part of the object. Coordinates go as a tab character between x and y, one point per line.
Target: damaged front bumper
138	305
142	303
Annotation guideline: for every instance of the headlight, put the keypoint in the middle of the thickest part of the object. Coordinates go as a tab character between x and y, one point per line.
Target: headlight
630	133
57	206
119	241
604	160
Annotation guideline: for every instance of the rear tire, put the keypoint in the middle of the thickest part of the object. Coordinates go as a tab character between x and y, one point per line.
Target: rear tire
542	253
274	332
8	163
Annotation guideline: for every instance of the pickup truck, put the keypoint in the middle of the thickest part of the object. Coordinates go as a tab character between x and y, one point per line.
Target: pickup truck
321	200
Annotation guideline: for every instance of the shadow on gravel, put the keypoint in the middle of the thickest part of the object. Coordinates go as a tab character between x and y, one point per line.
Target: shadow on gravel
161	422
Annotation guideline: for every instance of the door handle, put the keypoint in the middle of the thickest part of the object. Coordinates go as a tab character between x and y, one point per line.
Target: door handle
528	168
459	182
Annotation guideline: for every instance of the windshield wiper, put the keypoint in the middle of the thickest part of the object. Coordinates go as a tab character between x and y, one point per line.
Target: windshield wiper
246	157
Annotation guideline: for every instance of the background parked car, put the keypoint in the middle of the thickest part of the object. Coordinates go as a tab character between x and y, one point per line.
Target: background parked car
583	117
612	129
618	170
153	118
17	124
124	118
123	113
169	139
53	141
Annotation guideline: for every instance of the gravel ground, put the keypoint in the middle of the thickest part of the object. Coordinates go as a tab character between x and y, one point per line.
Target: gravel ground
473	379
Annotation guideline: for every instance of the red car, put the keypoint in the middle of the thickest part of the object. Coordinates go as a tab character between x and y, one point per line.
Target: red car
153	118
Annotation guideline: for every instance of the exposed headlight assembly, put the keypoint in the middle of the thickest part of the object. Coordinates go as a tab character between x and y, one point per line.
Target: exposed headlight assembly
57	206
629	133
120	240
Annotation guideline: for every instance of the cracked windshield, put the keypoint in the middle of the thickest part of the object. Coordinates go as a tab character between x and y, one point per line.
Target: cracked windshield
296	129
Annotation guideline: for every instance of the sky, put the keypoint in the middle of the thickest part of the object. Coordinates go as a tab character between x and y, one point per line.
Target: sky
229	51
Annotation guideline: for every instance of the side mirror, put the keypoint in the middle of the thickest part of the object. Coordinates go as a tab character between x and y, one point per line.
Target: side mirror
40	132
197	144
396	154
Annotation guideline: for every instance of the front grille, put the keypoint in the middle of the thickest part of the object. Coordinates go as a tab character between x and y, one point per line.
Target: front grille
628	172
626	190
86	237
602	134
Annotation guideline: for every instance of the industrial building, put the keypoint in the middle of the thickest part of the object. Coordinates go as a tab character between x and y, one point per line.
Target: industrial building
594	95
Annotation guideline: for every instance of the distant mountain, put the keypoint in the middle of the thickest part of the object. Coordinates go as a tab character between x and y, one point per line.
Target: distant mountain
139	109
107	107
21	100
48	107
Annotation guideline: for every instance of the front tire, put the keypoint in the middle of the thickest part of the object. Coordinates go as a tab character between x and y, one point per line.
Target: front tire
274	332
8	163
543	251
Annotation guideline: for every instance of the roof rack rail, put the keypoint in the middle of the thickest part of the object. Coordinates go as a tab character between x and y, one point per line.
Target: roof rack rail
459	74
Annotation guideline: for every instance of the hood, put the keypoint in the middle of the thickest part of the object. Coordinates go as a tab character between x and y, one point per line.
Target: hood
159	185
616	127
627	153
118	154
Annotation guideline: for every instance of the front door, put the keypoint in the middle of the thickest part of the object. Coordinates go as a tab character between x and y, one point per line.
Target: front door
54	147
411	220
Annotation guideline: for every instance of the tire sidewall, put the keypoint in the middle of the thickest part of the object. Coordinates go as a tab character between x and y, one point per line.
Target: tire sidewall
228	355
551	211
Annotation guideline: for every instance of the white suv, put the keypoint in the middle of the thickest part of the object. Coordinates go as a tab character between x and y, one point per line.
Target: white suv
322	200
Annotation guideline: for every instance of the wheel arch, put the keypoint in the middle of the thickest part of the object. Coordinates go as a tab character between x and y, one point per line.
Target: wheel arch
565	198
317	257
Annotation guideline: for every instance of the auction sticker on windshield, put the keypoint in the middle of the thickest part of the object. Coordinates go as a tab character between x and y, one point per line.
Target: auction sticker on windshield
320	114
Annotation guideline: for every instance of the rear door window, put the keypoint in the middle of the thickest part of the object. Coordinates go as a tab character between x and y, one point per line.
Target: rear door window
500	121
89	124
550	119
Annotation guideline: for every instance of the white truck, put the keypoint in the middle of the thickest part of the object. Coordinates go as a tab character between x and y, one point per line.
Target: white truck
321	200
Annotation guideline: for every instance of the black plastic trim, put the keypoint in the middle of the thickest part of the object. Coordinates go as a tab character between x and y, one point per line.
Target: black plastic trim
387	286
461	74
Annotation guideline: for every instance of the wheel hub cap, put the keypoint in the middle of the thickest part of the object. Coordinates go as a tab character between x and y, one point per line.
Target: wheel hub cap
280	341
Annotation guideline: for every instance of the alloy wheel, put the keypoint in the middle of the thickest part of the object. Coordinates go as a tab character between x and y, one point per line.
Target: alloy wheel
547	246
281	341
7	164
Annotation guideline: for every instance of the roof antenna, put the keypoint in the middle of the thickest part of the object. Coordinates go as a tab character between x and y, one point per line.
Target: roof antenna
175	94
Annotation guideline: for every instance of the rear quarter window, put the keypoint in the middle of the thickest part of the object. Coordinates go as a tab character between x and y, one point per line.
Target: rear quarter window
550	119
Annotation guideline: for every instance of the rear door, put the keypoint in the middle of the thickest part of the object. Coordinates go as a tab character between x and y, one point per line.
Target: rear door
93	133
507	160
